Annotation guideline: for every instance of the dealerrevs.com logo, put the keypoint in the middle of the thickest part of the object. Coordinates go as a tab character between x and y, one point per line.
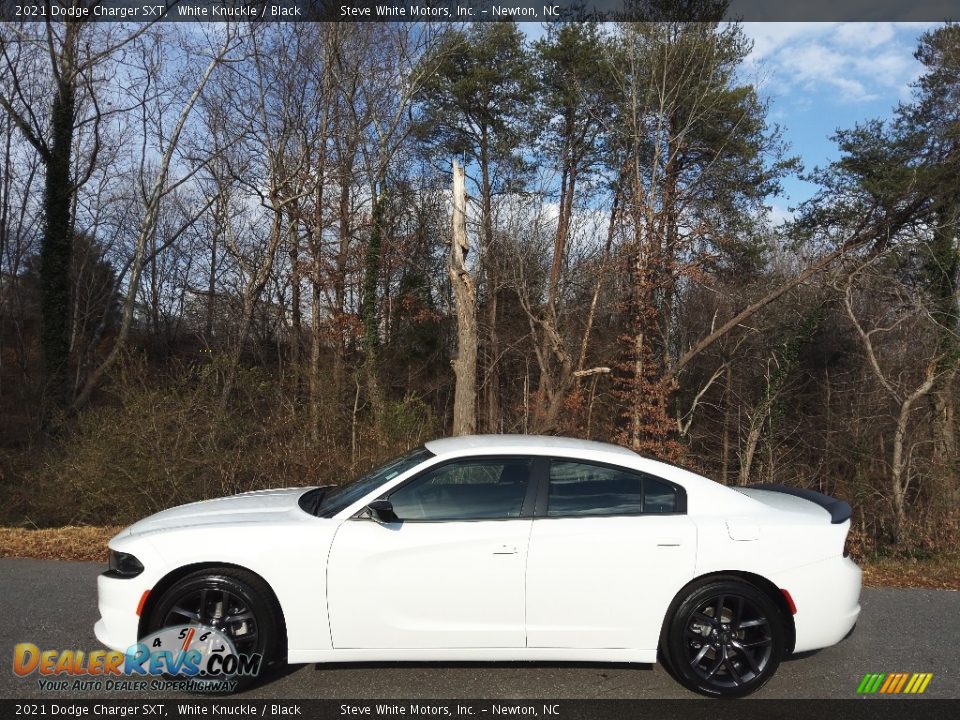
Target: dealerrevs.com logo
184	657
894	683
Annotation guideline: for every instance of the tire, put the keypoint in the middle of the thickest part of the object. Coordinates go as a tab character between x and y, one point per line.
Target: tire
205	596
724	639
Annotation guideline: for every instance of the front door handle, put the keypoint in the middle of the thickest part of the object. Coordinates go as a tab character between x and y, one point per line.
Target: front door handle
506	550
668	542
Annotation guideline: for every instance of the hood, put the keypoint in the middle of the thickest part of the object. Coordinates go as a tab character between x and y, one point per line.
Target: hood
260	506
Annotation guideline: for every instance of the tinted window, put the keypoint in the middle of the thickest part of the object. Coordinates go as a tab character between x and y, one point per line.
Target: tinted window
658	496
583	489
466	490
339	498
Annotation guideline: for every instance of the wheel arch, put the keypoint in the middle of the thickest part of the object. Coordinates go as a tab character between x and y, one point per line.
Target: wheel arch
761	583
168	580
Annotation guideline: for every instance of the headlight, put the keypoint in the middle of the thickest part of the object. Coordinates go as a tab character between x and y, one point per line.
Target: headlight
124	565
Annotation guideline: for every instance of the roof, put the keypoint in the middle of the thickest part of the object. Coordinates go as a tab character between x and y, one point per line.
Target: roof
522	443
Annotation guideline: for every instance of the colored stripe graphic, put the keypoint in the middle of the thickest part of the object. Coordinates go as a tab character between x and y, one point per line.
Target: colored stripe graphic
894	683
901	682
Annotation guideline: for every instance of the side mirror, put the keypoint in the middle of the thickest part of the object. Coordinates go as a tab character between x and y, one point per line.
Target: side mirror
382	511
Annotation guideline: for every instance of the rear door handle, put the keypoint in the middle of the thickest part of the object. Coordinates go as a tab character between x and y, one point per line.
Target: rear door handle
506	550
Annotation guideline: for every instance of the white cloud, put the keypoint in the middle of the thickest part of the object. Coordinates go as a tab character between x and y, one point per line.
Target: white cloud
860	36
842	62
780	213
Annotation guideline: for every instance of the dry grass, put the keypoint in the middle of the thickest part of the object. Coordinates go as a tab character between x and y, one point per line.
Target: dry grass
66	543
90	543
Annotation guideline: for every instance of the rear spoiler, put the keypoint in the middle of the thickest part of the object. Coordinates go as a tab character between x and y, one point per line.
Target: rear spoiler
839	510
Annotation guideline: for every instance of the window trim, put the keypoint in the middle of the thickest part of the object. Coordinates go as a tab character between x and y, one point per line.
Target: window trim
543	494
526	507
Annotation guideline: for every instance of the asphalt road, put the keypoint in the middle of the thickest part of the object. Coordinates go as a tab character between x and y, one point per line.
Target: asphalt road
53	604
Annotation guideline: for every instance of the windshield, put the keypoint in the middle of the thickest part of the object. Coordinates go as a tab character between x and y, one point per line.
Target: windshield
339	498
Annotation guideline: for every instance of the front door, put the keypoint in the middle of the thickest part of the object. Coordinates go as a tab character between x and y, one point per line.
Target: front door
450	574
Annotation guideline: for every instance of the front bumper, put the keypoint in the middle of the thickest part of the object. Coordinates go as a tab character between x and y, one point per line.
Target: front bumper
827	596
118	600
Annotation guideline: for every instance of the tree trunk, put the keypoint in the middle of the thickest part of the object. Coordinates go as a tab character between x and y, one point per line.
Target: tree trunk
750	446
219	228
556	366
251	296
296	321
56	249
727	414
492	375
945	451
371	317
341	327
899	464
465	301
591	315
315	383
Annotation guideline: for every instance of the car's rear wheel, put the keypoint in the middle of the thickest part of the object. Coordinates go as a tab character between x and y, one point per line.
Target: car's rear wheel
725	639
233	601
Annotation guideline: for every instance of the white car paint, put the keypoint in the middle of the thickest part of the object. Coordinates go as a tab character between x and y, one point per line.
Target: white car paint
546	588
428	585
596	582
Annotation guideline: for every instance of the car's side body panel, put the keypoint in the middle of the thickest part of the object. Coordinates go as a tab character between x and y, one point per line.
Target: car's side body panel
428	584
597	582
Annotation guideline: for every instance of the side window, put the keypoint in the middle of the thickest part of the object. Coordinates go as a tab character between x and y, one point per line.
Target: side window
581	489
658	496
466	490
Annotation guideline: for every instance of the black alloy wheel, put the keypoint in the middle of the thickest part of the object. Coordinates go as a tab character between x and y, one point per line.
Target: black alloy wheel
235	602
725	639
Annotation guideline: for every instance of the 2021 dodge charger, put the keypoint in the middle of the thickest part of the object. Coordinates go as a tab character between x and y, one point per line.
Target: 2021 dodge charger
500	548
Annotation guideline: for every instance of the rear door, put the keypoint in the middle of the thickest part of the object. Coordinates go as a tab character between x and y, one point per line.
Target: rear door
609	549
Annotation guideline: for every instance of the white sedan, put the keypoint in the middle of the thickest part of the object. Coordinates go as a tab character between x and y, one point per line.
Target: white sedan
500	548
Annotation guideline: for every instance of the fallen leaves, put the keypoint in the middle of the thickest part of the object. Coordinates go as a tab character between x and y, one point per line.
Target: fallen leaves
67	543
942	573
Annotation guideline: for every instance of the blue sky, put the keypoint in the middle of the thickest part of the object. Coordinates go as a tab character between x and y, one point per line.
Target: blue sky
820	77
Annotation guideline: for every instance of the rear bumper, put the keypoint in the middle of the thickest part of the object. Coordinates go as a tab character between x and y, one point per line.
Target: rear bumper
827	596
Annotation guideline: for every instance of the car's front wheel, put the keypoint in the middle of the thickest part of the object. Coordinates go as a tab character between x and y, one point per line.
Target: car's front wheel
233	601
725	639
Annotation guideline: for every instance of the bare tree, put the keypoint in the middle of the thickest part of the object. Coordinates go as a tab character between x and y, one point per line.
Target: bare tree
465	302
908	311
153	193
